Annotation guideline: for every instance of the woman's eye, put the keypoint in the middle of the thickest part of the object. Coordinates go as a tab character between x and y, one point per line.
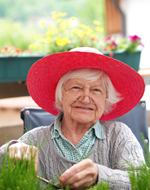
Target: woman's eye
97	90
75	87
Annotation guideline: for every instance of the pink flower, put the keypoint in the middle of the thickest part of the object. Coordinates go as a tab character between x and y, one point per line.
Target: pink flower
134	38
141	44
114	43
12	47
108	38
29	50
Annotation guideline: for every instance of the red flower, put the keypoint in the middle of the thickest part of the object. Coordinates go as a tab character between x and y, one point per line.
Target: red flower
6	48
17	50
105	49
111	47
92	39
111	54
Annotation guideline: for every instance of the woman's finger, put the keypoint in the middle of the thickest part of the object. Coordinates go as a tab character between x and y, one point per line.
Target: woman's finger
82	174
21	151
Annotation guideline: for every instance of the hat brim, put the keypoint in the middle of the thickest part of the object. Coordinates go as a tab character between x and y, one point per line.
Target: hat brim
44	75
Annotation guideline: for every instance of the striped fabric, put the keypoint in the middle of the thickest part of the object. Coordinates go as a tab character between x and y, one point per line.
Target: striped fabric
67	149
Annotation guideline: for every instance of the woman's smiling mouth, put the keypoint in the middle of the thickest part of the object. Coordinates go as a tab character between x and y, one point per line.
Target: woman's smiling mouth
83	108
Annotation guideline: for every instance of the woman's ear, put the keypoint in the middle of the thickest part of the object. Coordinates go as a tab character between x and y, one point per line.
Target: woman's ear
60	103
58	106
106	106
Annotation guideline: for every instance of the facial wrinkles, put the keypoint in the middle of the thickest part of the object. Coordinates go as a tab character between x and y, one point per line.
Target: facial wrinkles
78	108
86	86
86	102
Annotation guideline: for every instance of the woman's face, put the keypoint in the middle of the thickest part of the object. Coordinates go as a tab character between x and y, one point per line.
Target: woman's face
83	101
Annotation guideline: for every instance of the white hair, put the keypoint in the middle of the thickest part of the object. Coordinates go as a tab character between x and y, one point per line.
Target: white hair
91	75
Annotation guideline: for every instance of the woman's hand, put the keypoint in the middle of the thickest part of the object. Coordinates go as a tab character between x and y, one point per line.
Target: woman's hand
20	151
80	176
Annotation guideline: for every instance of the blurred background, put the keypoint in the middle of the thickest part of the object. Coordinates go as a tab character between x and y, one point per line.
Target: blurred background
21	22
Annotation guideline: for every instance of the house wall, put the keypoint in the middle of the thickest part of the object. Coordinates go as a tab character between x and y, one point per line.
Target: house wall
138	23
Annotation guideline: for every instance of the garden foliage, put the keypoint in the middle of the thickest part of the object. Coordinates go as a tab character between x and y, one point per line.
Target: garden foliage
20	175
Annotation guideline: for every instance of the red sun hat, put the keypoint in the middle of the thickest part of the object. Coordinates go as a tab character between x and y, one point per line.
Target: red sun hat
44	75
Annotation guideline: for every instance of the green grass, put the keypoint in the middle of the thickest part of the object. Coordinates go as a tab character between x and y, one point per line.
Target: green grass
140	178
18	176
21	175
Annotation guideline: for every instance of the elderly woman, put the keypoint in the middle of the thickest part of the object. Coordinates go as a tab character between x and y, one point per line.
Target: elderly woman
84	89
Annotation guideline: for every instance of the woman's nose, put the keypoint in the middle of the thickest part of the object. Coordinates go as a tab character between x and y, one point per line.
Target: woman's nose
86	98
86	91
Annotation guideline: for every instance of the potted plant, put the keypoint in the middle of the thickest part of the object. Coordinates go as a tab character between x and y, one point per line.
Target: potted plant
63	35
126	50
66	34
15	64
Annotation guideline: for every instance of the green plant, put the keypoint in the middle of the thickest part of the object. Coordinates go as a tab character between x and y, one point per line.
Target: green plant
15	34
18	176
21	175
139	177
62	34
129	44
66	33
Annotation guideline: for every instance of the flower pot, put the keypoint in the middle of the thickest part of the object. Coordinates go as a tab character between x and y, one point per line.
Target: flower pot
133	60
13	69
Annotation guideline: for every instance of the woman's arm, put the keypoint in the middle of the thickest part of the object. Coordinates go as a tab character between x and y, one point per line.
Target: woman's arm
124	150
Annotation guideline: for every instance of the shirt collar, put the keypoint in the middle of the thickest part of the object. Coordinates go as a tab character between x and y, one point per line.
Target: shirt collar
56	132
98	130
